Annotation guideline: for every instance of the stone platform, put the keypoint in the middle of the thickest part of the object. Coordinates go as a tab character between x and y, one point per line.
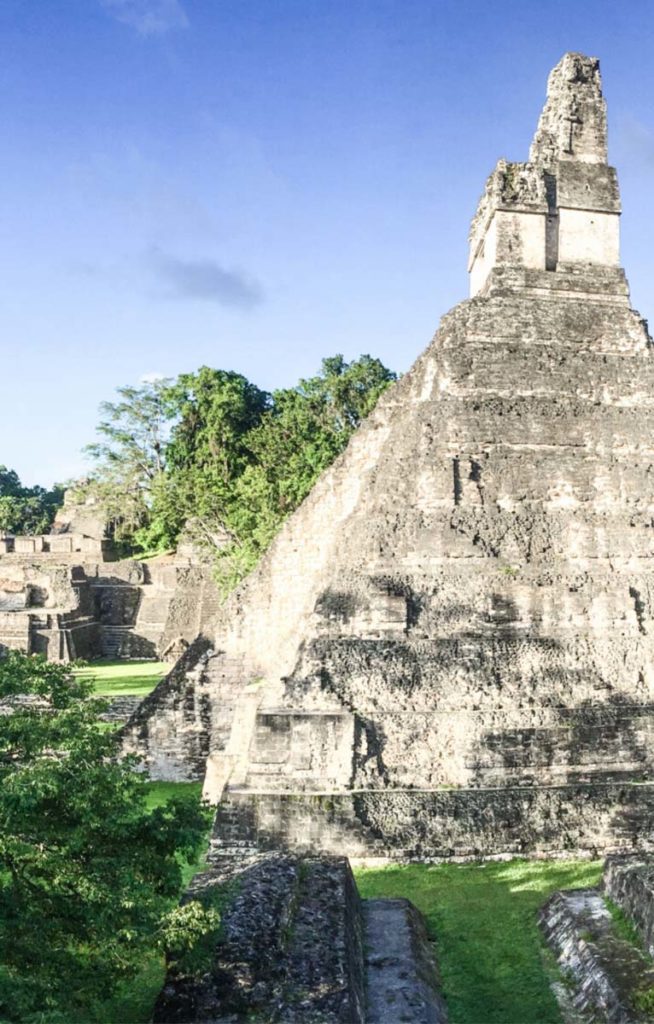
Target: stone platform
298	946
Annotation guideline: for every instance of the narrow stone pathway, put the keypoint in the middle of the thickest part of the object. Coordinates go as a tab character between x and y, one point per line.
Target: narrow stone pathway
402	984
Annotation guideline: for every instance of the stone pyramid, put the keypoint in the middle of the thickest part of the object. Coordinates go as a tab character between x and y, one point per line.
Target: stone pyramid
448	648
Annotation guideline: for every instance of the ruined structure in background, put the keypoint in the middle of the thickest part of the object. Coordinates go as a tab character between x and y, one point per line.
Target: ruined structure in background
448	648
64	595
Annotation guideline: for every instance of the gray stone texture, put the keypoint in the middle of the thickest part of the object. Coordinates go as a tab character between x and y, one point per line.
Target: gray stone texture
298	946
290	948
453	634
629	882
119	609
606	974
463	824
402	982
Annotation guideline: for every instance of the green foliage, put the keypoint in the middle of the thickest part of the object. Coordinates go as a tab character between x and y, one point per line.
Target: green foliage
297	437
189	934
623	926
483	918
26	510
644	1001
214	449
87	871
209	449
130	460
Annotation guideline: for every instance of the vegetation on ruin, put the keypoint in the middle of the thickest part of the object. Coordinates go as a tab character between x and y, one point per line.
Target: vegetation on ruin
483	919
26	510
92	857
214	449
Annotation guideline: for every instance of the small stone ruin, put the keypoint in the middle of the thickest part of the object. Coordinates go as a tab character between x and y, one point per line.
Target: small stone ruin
65	595
297	945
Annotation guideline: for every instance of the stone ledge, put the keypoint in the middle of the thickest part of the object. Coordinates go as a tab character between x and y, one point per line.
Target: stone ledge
629	881
606	973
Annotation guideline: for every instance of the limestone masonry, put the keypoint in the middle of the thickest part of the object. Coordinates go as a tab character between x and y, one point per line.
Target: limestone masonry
448	649
65	596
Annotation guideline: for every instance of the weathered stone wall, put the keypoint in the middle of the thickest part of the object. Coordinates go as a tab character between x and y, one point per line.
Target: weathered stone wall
439	824
607	976
290	948
298	946
629	882
122	609
561	208
171	727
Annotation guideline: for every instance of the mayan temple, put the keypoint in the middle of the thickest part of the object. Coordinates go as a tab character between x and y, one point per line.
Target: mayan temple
448	648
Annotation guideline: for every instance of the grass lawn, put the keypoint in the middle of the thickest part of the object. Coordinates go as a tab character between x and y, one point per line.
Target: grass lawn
483	918
122	678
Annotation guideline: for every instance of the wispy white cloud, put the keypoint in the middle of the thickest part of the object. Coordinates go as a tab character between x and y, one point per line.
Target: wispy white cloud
148	17
205	280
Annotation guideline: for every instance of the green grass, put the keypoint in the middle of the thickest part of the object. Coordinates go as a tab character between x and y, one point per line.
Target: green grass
624	927
123	678
483	920
160	792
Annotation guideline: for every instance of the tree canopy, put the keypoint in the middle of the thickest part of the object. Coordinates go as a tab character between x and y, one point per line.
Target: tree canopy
87	872
214	448
130	457
26	510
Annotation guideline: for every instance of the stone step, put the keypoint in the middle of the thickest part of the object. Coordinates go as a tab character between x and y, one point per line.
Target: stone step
121	709
607	976
402	982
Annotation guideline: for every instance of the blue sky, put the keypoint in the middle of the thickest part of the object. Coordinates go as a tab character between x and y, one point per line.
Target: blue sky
255	184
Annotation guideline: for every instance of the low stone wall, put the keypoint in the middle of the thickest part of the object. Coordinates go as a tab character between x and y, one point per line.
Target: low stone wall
607	975
59	546
402	982
441	824
290	948
629	882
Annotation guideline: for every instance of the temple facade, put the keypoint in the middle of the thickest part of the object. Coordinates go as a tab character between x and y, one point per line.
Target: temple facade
447	651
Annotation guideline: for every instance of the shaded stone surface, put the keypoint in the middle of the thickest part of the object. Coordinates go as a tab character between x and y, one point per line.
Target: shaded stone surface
607	974
441	824
629	882
298	946
290	951
402	982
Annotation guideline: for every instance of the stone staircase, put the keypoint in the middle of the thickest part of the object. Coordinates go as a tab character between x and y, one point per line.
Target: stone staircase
298	945
121	708
609	979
